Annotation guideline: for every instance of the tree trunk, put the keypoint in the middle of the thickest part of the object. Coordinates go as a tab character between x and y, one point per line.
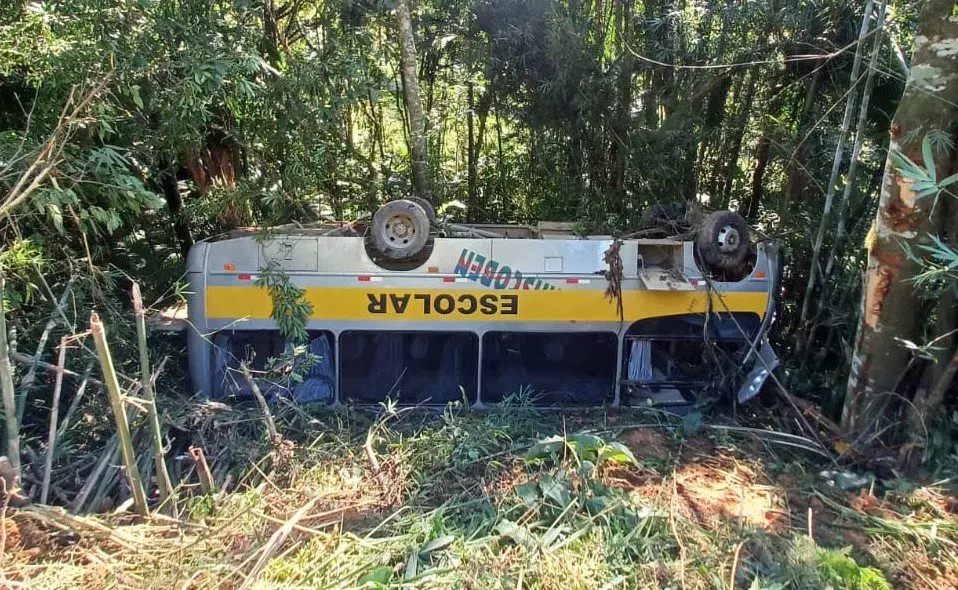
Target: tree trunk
417	120
890	310
174	201
623	122
270	33
9	403
500	166
711	130
940	373
717	164
471	155
763	152
650	102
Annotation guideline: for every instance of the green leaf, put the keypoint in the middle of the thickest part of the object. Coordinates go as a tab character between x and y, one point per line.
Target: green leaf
597	504
545	449
928	157
948	181
56	216
908	169
376	578
557	490
941	252
135	95
528	492
412	566
113	221
617	453
587	442
549	540
438	543
587	468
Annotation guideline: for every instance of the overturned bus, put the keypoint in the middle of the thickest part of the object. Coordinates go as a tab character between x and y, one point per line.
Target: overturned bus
421	312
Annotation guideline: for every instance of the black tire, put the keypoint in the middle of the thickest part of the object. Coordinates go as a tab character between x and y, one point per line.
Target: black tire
400	229
723	242
427	207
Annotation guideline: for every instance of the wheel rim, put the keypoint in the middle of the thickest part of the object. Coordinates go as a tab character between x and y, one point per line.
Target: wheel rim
399	230
728	239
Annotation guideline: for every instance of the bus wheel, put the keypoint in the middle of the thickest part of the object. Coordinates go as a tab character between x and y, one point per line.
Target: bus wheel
400	229
723	242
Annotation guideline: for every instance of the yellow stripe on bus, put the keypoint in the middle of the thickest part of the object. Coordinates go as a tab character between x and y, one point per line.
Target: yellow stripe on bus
384	304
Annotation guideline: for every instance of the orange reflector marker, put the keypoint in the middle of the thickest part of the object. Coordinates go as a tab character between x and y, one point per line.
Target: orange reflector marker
760	275
229	267
432	270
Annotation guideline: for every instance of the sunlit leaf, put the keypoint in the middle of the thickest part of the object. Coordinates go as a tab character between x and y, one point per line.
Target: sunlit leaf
376	578
948	181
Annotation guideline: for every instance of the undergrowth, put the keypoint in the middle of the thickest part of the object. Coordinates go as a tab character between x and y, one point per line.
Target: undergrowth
510	498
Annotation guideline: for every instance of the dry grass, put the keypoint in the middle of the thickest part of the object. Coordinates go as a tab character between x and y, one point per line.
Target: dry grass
449	507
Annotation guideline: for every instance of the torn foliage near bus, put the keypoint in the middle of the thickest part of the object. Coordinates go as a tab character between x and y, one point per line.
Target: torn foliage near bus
480	314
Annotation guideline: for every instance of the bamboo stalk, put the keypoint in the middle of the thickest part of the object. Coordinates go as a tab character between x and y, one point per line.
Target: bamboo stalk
54	414
860	129
836	164
119	412
77	398
26	384
6	384
144	459
26	359
163	483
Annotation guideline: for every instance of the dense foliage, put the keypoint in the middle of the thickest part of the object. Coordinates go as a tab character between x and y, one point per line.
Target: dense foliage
158	122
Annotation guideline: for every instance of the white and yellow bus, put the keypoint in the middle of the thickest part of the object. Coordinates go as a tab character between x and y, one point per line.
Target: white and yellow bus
480	313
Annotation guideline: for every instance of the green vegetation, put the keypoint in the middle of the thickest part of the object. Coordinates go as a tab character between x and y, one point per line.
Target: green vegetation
504	499
131	128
